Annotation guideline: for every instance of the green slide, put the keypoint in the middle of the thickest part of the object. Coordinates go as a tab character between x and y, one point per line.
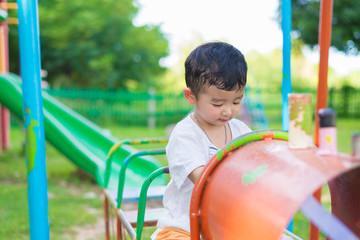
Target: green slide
80	140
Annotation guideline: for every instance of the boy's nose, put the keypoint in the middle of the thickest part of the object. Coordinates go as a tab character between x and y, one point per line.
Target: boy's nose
227	111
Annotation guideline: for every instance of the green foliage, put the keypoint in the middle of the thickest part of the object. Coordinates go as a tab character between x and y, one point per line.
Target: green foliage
352	79
265	71
174	79
94	43
345	23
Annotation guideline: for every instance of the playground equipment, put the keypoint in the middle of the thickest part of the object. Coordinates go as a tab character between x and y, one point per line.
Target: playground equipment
237	180
130	219
266	183
86	144
79	139
79	142
33	121
4	68
325	21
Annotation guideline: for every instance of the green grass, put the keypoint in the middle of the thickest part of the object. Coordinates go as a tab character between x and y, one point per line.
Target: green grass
68	205
68	187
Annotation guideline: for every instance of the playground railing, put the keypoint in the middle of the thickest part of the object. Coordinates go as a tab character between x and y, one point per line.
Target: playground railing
142	217
125	163
134	218
127	142
129	108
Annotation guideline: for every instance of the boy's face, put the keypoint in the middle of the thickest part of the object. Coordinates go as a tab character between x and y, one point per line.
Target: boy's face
216	107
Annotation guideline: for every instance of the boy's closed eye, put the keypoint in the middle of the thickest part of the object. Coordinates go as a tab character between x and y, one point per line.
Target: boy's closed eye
217	105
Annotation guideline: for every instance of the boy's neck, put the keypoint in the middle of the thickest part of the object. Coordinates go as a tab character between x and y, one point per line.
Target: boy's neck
217	135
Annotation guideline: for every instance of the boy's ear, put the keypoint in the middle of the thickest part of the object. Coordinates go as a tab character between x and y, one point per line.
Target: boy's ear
189	96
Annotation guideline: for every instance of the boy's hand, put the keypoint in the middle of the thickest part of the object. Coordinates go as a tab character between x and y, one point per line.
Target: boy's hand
195	175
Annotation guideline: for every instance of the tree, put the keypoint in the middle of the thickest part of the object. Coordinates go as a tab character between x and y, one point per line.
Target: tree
173	80
93	43
345	25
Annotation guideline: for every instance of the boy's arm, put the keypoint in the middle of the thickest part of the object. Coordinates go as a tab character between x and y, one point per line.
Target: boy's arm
195	174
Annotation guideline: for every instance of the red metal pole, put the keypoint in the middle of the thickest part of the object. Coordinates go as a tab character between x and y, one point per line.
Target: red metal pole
326	9
1	130
106	212
5	128
4	68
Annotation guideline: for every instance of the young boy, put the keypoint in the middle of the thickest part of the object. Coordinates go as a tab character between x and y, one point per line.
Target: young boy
215	75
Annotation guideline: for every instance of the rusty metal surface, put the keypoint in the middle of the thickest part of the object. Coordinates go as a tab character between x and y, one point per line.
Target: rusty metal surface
256	189
345	199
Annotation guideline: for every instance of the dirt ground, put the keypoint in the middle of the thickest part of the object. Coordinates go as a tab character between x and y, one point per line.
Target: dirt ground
97	230
92	232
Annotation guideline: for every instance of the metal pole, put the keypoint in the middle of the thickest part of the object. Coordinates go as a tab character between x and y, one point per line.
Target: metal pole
326	9
33	118
324	44
286	80
151	108
1	132
4	68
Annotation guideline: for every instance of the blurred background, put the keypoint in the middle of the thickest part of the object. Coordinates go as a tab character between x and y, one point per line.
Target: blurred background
121	62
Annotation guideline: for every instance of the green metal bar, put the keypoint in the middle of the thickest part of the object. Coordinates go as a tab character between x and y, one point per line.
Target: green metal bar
127	142
109	162
125	163
250	137
143	198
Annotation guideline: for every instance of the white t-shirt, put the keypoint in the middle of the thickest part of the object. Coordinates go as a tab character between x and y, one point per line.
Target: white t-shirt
188	149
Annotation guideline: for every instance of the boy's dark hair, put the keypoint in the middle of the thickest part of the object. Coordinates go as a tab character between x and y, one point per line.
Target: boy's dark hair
215	63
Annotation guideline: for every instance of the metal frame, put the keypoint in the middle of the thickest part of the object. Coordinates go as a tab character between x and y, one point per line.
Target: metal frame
122	220
127	142
114	201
